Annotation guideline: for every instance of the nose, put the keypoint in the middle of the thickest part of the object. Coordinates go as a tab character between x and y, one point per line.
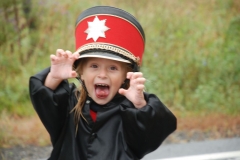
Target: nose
102	73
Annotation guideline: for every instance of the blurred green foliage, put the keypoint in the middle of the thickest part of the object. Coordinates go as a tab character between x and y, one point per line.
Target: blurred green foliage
191	60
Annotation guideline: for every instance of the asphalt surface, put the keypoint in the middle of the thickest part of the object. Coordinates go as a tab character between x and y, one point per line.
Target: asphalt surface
220	149
192	150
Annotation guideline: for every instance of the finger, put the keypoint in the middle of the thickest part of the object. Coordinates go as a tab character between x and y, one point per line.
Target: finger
140	87
53	58
122	91
129	75
65	55
59	52
137	79
75	55
69	53
73	74
140	80
137	75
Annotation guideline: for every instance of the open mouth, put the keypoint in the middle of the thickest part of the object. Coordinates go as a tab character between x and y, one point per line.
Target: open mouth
102	90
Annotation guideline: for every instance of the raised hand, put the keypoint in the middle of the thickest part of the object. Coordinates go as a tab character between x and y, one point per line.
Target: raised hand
135	92
61	64
61	68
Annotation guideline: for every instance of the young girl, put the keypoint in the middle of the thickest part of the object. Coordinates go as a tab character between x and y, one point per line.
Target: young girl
109	117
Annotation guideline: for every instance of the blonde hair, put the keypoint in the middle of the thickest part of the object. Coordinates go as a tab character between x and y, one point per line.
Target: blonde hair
83	93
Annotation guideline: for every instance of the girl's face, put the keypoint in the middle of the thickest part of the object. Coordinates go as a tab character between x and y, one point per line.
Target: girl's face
103	78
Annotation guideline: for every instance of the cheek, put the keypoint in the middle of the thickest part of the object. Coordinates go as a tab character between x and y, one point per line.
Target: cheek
84	76
84	73
120	80
124	76
87	78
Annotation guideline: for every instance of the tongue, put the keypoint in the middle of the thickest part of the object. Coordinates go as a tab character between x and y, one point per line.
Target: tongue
101	91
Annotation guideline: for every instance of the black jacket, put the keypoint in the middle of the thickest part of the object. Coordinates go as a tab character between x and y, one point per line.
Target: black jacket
121	132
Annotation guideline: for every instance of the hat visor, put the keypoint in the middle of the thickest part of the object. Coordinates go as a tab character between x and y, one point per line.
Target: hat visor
105	56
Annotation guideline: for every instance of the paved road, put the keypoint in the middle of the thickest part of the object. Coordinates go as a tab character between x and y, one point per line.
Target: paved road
222	149
203	150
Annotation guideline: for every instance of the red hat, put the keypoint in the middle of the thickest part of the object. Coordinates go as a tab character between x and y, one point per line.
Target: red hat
108	32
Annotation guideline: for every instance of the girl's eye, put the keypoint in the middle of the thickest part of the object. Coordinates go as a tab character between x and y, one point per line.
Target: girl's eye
94	66
113	68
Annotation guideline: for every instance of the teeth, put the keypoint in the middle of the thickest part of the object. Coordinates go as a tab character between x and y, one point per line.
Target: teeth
102	85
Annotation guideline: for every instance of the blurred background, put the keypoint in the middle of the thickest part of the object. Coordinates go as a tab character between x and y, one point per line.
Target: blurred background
191	60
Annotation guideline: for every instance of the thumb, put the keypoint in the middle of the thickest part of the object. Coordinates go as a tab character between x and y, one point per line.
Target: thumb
73	74
122	91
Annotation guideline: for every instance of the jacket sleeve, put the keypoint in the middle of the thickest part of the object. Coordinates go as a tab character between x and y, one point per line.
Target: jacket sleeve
51	106
146	128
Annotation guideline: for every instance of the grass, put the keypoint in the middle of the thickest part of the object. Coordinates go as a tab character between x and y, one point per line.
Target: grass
191	59
190	55
21	131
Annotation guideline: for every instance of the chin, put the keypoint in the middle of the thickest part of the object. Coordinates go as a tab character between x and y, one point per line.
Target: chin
101	101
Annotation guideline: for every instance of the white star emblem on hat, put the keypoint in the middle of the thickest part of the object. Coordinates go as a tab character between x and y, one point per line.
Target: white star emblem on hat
96	29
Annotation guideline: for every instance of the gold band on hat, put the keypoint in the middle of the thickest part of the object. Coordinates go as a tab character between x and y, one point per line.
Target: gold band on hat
109	47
